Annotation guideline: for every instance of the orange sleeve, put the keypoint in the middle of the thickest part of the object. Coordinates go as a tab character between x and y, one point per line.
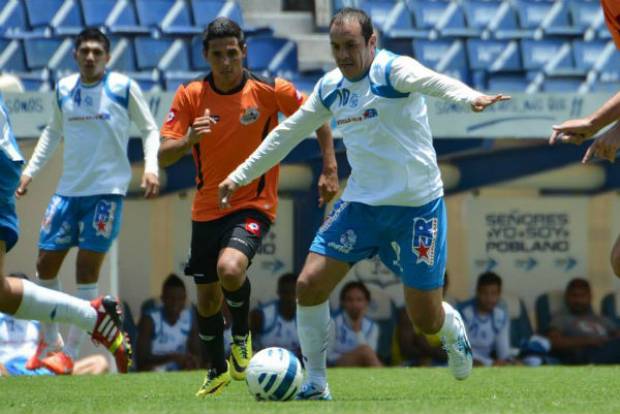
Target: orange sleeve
611	10
289	99
179	117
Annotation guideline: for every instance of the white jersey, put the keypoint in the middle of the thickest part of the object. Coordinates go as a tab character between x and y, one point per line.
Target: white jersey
8	144
343	338
18	338
94	121
487	333
168	338
384	123
277	331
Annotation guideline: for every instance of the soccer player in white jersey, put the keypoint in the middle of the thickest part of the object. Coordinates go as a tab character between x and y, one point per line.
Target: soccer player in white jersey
393	203
25	300
92	113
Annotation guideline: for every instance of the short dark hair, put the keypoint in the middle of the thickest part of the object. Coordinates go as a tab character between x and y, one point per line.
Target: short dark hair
220	28
487	279
357	14
578	283
287	278
92	33
354	285
173	281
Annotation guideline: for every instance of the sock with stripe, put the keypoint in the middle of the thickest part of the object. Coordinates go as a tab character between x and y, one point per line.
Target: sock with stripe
211	332
238	302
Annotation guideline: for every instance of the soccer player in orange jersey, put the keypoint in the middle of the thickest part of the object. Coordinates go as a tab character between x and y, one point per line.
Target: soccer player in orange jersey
223	118
576	131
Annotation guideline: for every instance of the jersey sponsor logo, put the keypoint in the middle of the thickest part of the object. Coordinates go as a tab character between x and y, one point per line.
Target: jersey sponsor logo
103	219
171	117
424	236
343	96
250	115
347	242
368	114
252	226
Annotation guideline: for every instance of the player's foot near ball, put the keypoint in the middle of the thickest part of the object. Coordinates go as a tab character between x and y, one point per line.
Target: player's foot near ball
240	355
310	391
214	383
108	331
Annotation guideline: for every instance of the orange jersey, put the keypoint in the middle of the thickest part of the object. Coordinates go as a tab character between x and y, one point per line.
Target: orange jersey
611	9
244	117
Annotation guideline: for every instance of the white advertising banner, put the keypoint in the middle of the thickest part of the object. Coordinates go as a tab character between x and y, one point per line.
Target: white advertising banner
524	116
534	244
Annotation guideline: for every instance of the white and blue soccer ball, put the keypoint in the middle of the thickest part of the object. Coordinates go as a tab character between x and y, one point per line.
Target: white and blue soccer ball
274	374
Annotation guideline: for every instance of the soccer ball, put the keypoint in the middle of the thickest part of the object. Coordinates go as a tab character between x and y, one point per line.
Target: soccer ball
274	374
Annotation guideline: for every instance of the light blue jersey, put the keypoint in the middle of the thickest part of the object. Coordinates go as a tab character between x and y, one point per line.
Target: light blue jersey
344	339
11	162
277	331
168	339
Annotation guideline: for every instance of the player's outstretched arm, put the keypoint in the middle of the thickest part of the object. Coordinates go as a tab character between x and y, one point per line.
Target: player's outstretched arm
328	181
576	131
483	101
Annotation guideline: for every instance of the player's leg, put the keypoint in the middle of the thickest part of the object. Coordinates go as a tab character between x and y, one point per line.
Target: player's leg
615	257
418	253
242	234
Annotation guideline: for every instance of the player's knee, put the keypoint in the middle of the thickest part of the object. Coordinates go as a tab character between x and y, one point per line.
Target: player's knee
231	273
308	290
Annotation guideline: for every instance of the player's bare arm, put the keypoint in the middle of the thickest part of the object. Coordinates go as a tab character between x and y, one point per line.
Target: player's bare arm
605	146
483	101
150	184
328	181
171	149
576	131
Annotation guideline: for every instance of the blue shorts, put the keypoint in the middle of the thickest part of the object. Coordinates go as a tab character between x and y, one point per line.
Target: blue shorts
90	222
10	171
17	366
411	241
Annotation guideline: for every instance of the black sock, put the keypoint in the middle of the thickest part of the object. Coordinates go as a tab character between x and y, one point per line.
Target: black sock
211	331
239	304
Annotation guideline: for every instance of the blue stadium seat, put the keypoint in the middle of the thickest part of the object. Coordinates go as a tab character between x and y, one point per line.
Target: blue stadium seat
205	11
122	55
13	21
444	55
559	22
63	16
62	61
399	24
305	81
448	19
197	59
609	70
537	53
532	13
504	25
273	55
149	81
378	10
398	45
585	14
117	16
173	79
605	87
520	325
506	83
480	14
547	305
586	54
170	16
163	54
39	51
494	55
12	57
37	81
610	307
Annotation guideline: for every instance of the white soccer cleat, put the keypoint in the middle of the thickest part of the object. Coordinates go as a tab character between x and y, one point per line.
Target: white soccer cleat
460	359
310	391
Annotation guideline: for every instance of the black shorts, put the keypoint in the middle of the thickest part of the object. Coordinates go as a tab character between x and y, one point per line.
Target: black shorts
242	230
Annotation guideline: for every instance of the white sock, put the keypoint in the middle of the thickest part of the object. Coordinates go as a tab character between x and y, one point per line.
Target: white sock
88	292
49	331
451	328
47	305
313	329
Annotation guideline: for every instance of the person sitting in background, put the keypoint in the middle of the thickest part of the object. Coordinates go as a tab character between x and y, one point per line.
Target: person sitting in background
413	348
273	324
168	334
487	322
354	336
19	339
578	335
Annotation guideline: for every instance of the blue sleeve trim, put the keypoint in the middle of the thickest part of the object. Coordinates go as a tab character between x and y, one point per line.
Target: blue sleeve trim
387	90
123	101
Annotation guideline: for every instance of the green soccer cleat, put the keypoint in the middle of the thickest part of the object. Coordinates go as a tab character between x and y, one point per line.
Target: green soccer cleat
214	383
240	355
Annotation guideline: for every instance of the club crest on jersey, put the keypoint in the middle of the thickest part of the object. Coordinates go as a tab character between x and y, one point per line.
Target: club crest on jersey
103	219
249	116
423	243
171	117
252	226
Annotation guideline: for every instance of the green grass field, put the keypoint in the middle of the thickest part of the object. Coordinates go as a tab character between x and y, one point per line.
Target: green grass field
390	390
